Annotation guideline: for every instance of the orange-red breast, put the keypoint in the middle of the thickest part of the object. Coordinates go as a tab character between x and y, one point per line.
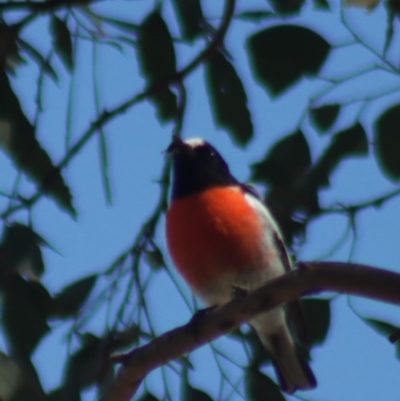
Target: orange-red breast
221	235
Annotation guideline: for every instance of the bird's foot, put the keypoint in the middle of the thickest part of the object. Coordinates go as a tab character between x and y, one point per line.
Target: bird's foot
238	292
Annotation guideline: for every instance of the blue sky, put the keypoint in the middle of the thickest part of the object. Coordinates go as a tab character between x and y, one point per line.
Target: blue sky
355	362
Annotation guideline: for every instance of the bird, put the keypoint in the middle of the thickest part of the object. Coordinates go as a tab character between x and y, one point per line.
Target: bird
221	236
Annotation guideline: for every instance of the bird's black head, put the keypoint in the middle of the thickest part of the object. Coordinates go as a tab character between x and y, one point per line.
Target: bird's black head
197	165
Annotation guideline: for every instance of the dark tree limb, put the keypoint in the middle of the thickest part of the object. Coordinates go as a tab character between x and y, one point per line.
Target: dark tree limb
309	278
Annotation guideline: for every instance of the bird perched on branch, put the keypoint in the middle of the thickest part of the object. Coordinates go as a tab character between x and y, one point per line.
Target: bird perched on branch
221	236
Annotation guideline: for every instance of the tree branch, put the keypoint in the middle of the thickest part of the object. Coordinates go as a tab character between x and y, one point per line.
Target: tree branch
309	278
108	115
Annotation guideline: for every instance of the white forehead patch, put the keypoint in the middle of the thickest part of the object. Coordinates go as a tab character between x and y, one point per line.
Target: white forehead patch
195	142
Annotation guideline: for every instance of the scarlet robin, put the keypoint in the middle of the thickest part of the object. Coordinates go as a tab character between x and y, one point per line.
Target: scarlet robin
221	236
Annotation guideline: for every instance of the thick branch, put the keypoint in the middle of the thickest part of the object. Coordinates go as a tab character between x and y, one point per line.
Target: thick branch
310	278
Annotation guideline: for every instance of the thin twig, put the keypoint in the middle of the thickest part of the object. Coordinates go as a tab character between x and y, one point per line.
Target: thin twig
354	208
108	115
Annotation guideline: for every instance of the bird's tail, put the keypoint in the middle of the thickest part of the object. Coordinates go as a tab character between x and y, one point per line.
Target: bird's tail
291	366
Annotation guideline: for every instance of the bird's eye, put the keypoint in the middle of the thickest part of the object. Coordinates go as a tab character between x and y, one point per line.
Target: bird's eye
207	153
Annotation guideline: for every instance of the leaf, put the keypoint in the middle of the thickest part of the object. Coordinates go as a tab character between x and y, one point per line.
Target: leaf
155	259
194	394
283	54
190	17
260	387
370	4
17	138
9	55
317	315
29	387
381	327
68	302
324	117
392	5
11	377
228	99
255	15
105	380
54	395
89	365
166	105
190	393
350	142
287	7
62	41
259	355
157	62
385	329
148	397
285	162
21	251
25	308
155	45
321	4
387	142
19	380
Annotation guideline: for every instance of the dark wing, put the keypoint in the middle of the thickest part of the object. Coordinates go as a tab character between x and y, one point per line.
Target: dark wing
282	252
294	310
